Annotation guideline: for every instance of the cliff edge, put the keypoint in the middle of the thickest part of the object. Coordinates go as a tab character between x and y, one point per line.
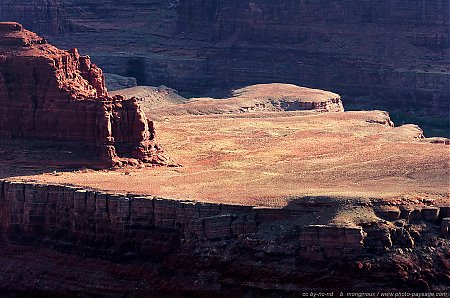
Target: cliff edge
56	95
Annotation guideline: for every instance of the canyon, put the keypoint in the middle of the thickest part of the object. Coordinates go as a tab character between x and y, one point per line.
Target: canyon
270	190
381	54
266	204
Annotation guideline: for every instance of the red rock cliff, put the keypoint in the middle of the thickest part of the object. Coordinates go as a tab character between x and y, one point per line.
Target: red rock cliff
57	95
396	51
202	248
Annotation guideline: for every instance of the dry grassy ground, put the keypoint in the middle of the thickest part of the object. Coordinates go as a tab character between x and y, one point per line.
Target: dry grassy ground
269	158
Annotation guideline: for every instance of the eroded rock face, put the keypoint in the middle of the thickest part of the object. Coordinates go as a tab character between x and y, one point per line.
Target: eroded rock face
40	15
394	51
177	246
50	94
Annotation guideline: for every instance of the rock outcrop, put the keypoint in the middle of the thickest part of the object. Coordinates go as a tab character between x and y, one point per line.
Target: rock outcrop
276	97
56	95
181	246
396	52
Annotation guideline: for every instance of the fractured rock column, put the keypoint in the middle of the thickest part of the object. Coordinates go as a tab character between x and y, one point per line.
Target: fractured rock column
55	95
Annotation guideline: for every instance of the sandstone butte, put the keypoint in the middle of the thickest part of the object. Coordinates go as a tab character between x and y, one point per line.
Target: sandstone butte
55	95
276	97
267	203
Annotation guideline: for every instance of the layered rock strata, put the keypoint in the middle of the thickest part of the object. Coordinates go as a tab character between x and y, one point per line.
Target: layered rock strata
56	95
225	246
396	52
273	97
40	15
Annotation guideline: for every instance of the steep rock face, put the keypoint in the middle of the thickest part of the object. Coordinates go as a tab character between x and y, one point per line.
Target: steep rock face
393	50
57	95
181	246
40	15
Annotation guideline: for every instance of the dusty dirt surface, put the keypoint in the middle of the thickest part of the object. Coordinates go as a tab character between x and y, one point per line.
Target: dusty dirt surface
268	159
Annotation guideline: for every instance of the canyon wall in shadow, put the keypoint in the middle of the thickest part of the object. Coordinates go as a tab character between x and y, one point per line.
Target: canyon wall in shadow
115	245
395	52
